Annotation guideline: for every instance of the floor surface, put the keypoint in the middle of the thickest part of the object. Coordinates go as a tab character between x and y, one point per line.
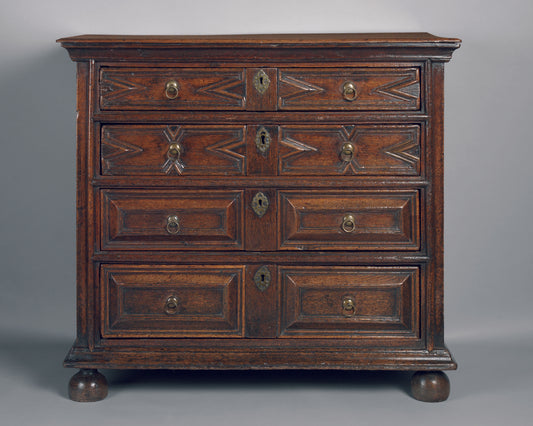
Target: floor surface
493	386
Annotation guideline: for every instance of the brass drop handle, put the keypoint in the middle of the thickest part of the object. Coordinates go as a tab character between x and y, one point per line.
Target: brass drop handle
347	152
172	89
348	306
174	151
349	92
348	223
171	305
173	224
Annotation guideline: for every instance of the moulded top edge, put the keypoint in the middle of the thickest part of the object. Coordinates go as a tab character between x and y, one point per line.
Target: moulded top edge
262	40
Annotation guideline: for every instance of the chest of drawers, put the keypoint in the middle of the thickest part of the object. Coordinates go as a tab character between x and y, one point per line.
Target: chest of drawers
260	202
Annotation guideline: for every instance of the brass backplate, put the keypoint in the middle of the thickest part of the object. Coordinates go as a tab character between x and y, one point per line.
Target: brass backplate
260	204
262	278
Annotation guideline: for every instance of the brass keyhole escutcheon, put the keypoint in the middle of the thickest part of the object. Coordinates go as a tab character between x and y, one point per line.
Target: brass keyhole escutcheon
172	89
260	204
347	152
262	140
348	223
262	278
261	81
349	91
173	224
348	306
171	305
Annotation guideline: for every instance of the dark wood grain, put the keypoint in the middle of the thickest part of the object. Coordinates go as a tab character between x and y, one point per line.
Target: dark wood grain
381	220
430	386
265	357
261	231
257	100
140	88
138	219
87	385
353	40
134	298
84	312
175	266
144	150
378	150
379	89
262	159
385	301
262	304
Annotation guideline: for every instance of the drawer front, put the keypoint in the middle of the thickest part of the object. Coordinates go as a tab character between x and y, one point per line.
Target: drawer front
350	150
155	150
349	301
353	220
171	220
172	88
171	301
350	89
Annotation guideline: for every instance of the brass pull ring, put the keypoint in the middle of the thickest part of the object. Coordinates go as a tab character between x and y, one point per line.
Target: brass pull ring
347	152
172	89
349	92
348	223
174	151
171	305
173	225
348	306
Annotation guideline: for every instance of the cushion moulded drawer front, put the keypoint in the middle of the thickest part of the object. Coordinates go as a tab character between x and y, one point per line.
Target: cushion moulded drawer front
349	301
155	219
349	220
171	301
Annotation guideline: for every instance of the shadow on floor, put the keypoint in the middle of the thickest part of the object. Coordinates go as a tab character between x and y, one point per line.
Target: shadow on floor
482	366
256	379
38	360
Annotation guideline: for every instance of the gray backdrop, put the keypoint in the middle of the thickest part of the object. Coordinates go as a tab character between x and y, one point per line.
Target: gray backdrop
489	203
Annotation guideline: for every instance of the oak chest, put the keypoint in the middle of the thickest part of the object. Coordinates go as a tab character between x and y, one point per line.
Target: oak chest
260	202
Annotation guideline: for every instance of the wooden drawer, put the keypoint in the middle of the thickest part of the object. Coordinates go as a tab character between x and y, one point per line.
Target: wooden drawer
152	150
349	220
350	150
137	219
165	88
171	301
349	301
362	88
197	88
220	150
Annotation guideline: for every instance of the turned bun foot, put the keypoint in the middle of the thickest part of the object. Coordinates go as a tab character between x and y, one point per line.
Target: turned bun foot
430	386
87	386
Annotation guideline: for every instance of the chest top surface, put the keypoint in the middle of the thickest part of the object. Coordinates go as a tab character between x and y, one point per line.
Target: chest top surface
83	47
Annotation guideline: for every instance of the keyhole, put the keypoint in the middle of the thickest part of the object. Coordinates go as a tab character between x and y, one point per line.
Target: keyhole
260	202
263	139
263	277
261	80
